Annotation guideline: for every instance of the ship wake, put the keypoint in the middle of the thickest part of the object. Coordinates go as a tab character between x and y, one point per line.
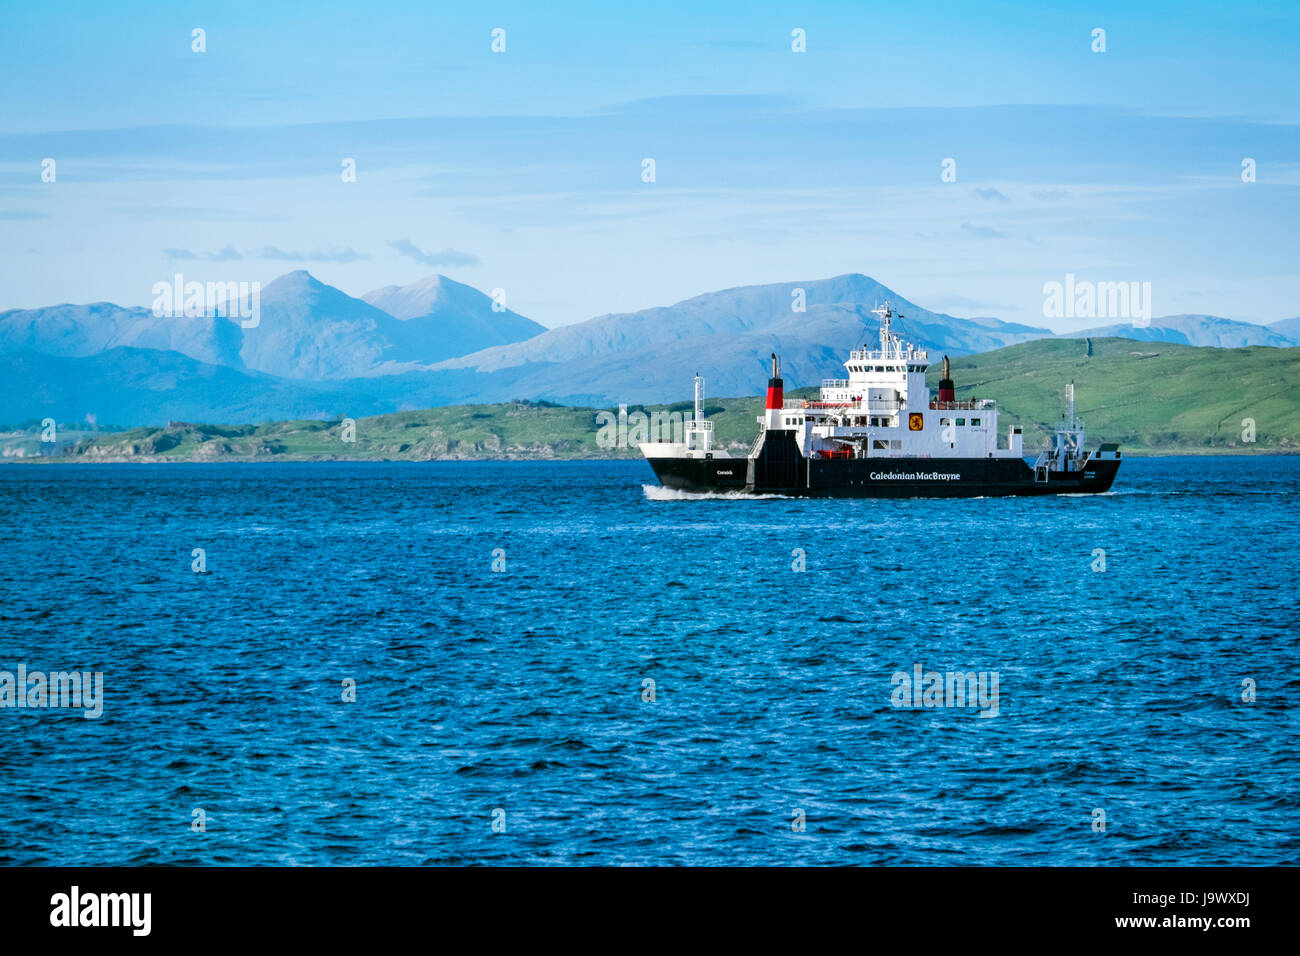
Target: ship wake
660	493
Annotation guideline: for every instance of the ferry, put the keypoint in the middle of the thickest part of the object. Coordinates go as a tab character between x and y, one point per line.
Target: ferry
882	433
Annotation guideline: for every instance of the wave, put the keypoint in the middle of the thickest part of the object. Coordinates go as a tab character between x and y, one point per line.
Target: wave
660	493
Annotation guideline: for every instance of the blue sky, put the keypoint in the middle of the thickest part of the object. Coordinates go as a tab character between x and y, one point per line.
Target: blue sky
522	170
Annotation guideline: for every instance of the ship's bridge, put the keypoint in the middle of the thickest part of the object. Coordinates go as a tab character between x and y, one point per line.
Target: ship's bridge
882	380
884	409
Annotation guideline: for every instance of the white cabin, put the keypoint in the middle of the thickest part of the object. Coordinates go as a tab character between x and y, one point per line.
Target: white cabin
884	409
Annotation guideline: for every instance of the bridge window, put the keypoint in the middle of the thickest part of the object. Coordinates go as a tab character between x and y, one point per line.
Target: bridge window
961	421
974	421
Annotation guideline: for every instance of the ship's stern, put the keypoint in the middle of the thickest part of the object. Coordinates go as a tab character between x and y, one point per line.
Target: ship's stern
1100	469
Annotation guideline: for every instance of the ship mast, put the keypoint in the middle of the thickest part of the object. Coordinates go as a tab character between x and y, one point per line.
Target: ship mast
699	432
891	346
885	316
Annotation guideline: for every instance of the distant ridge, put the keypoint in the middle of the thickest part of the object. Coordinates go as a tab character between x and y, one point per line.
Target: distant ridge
1204	330
1148	397
446	319
308	330
437	342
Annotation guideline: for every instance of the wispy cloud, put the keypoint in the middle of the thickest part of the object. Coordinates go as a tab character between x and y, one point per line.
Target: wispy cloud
229	253
991	194
345	254
981	232
447	257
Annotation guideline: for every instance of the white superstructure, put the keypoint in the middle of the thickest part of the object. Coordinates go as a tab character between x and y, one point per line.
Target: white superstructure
883	409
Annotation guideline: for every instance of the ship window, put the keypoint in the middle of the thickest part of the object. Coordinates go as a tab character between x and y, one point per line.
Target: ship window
945	421
880	444
974	421
896	444
961	421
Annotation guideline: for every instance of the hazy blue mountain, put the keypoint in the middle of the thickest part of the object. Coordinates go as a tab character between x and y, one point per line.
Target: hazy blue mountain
838	311
128	386
1208	330
1288	327
321	353
727	336
310	330
443	319
76	330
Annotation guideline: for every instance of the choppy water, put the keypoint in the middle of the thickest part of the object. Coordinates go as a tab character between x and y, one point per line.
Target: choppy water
523	689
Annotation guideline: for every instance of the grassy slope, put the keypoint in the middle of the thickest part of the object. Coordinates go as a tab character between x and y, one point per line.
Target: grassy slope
1144	395
1147	396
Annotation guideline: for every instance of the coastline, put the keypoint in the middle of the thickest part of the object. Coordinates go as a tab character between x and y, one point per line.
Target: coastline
534	457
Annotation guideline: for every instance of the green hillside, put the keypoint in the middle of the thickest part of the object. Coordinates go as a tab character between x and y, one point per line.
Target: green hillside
1147	396
1150	397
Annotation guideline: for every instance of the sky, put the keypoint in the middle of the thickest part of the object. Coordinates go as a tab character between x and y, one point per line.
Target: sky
523	170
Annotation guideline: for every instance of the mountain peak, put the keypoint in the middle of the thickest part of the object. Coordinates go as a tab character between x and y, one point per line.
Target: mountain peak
425	296
295	281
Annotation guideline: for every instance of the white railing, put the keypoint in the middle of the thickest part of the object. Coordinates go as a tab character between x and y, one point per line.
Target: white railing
967	405
862	403
875	355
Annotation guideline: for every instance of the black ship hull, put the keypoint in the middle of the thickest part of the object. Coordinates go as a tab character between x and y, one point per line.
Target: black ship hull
780	468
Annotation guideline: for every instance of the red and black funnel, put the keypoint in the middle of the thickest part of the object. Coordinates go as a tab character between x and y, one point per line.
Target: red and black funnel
775	387
946	391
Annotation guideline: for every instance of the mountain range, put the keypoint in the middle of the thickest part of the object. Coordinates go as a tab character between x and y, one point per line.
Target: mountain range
317	352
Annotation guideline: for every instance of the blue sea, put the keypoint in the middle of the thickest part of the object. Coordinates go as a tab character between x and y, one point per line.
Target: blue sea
502	623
